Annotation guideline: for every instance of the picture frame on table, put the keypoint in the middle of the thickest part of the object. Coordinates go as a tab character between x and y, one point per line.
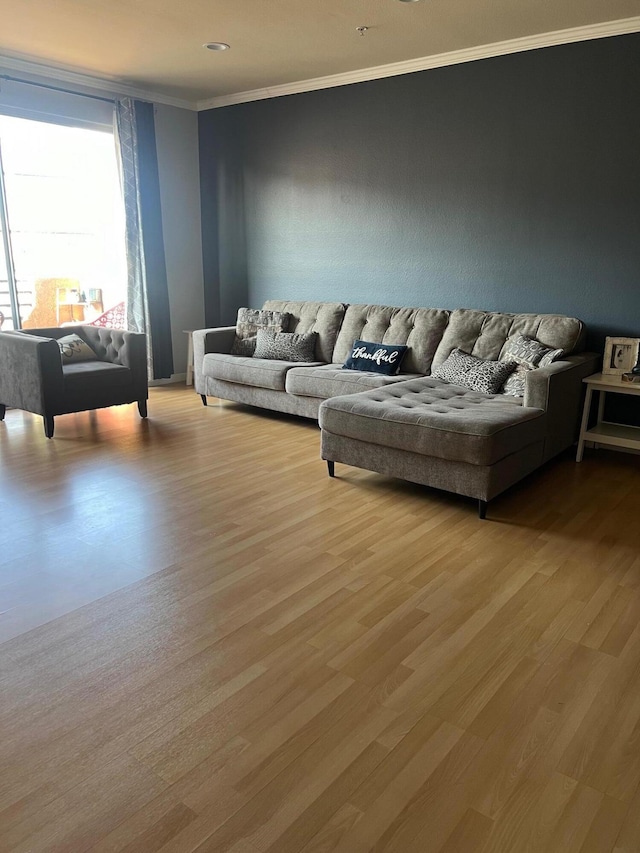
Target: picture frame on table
620	355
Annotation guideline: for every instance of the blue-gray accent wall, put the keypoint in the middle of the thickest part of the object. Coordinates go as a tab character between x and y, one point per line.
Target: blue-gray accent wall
508	184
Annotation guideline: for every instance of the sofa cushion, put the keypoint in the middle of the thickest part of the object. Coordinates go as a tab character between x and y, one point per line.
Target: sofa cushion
331	380
483	334
420	329
259	372
285	346
375	358
460	368
80	377
247	324
93	384
432	418
325	318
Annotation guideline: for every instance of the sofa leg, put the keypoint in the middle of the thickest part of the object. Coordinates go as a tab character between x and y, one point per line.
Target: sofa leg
482	509
48	425
142	408
3	410
203	397
332	468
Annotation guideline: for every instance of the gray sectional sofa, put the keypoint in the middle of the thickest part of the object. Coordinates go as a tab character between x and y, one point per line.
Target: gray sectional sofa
413	425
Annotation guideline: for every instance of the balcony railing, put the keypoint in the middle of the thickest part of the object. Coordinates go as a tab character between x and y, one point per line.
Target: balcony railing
25	302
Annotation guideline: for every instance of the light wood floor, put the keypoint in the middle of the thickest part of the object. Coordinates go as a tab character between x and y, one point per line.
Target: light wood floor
211	646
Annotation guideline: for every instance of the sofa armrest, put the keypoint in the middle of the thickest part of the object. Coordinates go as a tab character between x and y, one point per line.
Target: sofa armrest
559	390
209	340
30	373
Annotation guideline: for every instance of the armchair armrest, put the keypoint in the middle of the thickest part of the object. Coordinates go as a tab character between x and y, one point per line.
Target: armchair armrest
30	373
209	340
558	389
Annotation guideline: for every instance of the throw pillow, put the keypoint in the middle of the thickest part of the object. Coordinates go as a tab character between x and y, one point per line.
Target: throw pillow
460	368
375	358
73	348
285	346
528	351
247	325
550	357
514	386
529	354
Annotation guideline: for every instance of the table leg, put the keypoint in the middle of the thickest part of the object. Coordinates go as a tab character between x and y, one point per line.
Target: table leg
189	380
603	396
585	423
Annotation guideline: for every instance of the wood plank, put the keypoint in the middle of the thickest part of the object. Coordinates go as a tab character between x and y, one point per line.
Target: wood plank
209	645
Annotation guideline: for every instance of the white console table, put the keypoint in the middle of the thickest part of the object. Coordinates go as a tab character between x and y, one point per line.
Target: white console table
613	435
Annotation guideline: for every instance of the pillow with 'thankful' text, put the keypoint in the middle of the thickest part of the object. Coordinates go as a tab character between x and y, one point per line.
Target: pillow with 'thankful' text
375	358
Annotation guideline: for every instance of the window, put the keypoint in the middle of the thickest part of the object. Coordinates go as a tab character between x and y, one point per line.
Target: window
62	253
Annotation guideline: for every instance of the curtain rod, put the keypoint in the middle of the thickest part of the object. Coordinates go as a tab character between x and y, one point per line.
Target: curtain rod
57	89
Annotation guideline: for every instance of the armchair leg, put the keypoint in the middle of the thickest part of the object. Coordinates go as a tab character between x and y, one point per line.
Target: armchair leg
203	397
482	509
3	409
48	425
331	466
142	408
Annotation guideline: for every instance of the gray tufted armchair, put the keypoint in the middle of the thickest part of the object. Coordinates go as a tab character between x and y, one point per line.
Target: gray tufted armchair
33	378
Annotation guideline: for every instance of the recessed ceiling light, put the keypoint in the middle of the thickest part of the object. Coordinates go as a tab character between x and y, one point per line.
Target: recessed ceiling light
409	1
220	45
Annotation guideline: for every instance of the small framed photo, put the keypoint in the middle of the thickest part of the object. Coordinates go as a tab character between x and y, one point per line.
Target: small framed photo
620	355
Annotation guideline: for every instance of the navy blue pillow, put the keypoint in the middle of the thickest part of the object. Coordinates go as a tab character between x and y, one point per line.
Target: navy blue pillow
375	358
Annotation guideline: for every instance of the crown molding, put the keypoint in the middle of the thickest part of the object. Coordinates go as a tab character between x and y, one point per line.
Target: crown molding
117	88
101	85
455	57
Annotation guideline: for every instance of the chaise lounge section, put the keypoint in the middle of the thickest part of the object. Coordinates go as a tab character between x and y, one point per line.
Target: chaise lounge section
447	437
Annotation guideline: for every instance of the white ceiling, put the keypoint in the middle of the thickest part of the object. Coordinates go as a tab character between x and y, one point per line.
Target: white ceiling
156	45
